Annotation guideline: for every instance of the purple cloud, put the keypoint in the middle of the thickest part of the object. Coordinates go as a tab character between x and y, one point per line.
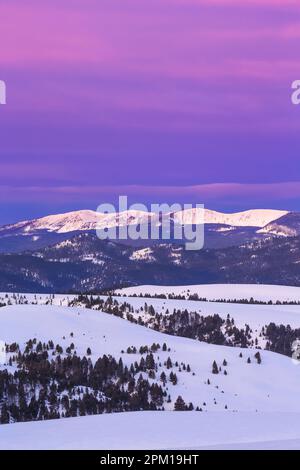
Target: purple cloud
161	94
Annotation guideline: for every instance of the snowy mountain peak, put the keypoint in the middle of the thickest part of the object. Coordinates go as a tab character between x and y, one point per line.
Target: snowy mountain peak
250	218
69	222
81	220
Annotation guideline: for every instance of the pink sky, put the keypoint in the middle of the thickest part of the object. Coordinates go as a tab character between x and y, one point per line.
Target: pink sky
166	93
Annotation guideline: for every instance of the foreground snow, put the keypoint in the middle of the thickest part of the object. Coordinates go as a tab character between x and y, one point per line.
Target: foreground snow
158	430
262	400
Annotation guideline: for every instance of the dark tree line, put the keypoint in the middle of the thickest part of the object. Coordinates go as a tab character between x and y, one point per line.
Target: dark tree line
47	386
196	297
280	338
211	329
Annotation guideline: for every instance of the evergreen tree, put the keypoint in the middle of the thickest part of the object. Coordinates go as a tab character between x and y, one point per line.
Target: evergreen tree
258	357
169	363
215	369
4	418
180	404
163	378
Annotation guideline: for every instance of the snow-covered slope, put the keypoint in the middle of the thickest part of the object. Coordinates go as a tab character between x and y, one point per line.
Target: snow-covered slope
250	218
247	387
256	316
259	292
247	408
286	226
91	220
163	430
78	220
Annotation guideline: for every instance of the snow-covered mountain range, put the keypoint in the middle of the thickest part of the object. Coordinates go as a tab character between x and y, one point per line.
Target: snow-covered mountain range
221	229
91	220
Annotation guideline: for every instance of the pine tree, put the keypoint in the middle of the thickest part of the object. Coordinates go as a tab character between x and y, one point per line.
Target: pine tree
215	369
258	357
180	404
150	363
163	378
4	418
169	363
173	378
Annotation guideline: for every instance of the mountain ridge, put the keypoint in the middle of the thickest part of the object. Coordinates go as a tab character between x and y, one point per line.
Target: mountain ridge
91	220
220	230
86	264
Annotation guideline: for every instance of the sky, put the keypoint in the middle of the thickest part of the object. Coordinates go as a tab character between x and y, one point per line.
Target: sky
161	100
